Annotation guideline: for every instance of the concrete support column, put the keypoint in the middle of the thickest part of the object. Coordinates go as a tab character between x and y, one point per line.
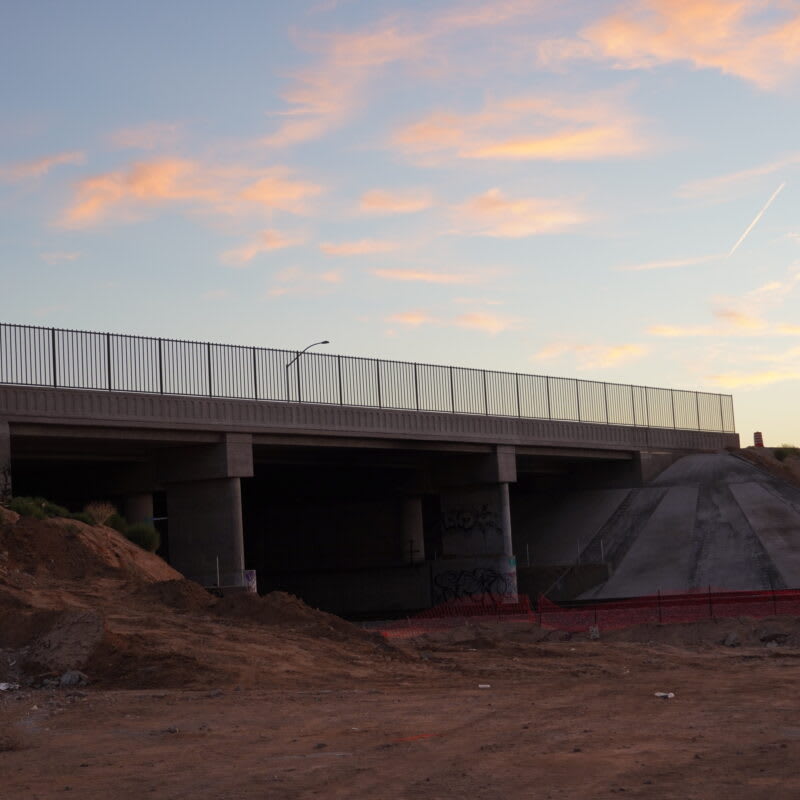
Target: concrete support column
138	507
205	524
477	552
5	462
413	535
204	508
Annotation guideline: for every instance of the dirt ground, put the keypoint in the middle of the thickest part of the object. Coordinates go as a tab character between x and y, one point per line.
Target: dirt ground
242	697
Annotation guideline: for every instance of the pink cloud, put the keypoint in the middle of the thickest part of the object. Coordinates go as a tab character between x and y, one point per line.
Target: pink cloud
359	248
593	356
39	167
412	318
423	276
527	128
495	214
733	37
60	256
381	201
145	185
265	242
323	96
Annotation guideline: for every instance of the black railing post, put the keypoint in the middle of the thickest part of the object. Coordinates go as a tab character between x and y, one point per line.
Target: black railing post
633	407
208	360
160	366
721	418
605	399
299	385
547	387
53	354
452	392
339	373
672	400
108	359
485	395
516	386
255	375
416	385
697	408
646	407
578	399
378	381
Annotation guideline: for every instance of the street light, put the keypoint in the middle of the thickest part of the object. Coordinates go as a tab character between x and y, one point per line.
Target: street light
297	356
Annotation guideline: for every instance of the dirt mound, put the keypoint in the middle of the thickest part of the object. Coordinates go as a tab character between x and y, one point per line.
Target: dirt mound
72	550
287	611
764	457
181	594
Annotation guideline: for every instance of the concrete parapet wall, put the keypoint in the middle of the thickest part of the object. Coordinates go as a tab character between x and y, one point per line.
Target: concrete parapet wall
50	406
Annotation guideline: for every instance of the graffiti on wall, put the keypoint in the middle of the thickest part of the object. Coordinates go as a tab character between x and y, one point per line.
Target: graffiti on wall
455	584
472	521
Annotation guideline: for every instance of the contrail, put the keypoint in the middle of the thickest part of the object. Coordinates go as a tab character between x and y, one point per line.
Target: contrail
757	218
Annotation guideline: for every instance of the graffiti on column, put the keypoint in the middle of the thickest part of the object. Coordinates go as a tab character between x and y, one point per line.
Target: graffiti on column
456	584
472	521
5	485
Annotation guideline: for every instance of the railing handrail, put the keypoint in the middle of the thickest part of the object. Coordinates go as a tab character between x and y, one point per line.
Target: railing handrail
35	351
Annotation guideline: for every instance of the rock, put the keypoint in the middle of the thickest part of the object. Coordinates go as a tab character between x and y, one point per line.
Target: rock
74	677
732	640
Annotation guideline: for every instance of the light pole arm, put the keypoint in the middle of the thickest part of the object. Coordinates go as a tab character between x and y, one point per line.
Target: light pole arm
300	352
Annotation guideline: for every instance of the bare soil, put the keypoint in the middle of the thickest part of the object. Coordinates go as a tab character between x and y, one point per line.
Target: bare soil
245	697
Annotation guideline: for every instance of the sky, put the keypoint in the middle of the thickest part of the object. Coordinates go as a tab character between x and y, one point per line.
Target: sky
602	190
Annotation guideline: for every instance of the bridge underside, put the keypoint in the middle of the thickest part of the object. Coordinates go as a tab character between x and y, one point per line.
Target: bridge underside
359	511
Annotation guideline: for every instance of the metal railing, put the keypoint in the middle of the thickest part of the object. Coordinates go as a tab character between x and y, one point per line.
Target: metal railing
36	356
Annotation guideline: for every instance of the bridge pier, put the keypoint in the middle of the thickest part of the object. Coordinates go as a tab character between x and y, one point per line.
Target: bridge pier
5	462
204	507
413	533
477	552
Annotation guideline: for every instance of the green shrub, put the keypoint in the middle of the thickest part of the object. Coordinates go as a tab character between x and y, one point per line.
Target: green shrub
100	512
37	507
118	523
145	535
786	450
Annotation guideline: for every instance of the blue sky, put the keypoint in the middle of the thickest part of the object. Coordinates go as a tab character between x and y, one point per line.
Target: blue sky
604	190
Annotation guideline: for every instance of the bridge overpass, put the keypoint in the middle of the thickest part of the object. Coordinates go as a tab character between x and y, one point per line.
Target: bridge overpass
358	483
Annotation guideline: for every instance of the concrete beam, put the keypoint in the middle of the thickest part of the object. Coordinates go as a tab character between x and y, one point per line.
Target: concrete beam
231	457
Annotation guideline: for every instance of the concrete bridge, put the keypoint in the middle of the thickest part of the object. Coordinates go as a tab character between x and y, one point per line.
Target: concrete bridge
360	484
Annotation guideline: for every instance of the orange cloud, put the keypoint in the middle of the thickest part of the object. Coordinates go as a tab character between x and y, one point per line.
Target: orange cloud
731	36
481	321
41	166
221	190
412	318
325	95
424	277
494	214
265	242
149	136
477	320
359	248
593	356
738	380
527	128
380	201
